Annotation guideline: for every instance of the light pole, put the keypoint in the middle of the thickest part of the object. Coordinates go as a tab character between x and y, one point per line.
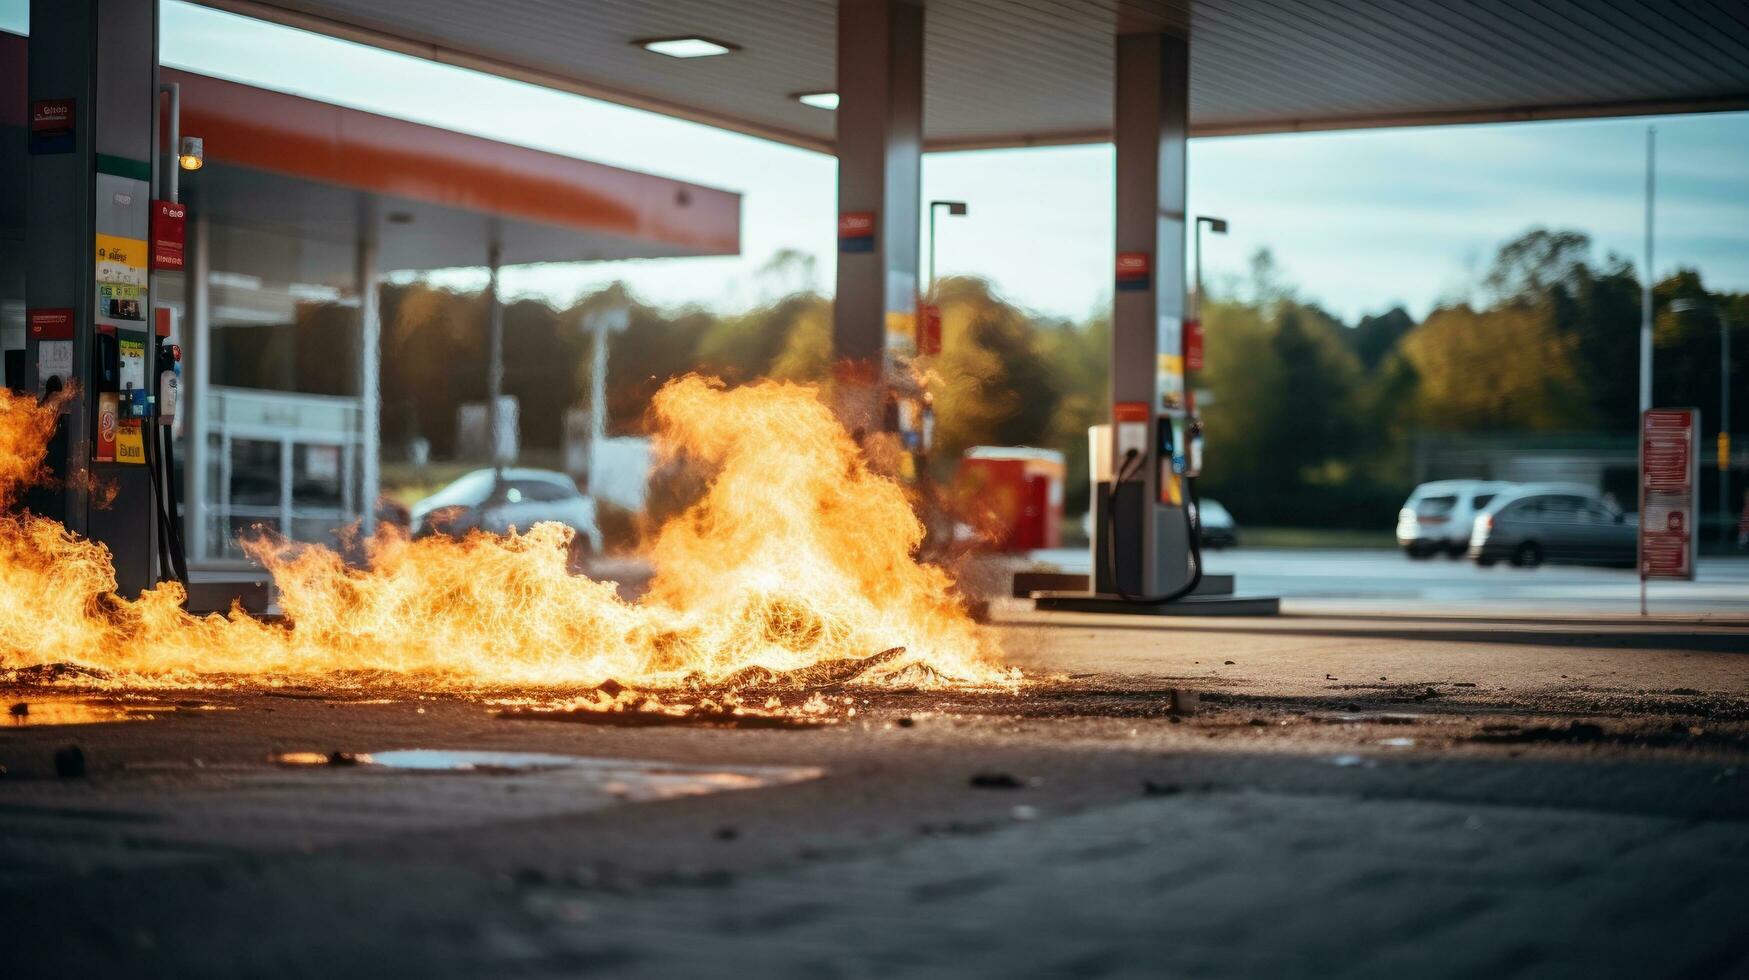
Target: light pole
1219	227
1647	296
956	208
1691	306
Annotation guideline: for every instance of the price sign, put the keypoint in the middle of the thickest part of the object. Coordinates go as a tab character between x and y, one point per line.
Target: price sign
1669	464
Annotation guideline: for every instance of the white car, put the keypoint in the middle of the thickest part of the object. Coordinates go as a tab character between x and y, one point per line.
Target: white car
499	500
1438	516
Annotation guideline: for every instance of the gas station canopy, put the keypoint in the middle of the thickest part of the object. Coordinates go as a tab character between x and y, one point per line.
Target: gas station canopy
312	172
1027	72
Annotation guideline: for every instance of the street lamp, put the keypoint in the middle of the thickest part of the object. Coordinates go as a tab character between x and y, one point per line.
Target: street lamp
1219	227
191	155
1695	306
956	208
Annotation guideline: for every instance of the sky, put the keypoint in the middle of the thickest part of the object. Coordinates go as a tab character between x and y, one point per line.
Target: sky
1358	221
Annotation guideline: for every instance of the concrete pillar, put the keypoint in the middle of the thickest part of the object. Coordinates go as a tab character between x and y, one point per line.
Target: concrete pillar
370	373
93	96
880	147
1147	375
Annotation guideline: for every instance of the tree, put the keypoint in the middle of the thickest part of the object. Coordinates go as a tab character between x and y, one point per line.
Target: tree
1501	370
995	386
1080	356
1530	266
1375	336
1282	430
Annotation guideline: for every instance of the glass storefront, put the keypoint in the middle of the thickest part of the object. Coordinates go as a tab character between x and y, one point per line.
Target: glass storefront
282	420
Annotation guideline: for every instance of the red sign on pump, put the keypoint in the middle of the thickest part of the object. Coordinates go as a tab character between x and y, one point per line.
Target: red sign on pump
1134	270
108	413
169	223
52	123
55	324
51	116
856	231
928	329
1669	457
1193	345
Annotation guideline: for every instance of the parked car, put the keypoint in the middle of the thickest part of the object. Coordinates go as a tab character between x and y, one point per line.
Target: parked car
1437	516
1538	523
1218	529
497	500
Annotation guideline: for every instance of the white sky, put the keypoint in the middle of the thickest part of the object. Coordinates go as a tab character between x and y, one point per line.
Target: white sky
1359	221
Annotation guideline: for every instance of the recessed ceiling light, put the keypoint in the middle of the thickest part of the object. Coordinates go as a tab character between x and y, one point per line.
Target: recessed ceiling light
819	100
685	47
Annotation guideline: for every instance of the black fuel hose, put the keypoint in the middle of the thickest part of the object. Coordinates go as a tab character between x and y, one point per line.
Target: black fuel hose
178	549
1192	526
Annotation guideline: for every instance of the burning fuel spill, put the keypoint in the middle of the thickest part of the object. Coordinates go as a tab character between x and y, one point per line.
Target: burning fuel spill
796	567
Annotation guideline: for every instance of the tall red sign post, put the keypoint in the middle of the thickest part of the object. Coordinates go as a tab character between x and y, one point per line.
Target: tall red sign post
1669	470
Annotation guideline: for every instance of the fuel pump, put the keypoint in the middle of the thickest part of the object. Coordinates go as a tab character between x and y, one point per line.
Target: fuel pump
1178	450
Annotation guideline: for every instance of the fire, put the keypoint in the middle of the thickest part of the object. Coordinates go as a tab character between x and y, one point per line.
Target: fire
798	556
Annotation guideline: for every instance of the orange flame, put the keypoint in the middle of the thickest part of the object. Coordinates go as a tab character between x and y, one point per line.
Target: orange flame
797	554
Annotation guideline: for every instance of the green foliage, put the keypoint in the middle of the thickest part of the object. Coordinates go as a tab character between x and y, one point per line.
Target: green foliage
1376	336
1282	423
1499	370
993	383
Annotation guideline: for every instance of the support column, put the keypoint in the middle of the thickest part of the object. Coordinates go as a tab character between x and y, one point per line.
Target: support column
880	147
1147	375
93	96
370	367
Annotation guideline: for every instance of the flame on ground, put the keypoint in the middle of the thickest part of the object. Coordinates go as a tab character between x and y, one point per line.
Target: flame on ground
798	556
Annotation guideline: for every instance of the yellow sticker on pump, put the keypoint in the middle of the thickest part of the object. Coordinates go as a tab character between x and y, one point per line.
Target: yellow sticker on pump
130	447
1171	493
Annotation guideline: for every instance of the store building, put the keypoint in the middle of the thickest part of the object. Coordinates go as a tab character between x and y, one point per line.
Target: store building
301	209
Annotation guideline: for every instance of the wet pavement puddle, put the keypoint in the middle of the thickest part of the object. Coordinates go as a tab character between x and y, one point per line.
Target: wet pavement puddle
619	779
38	712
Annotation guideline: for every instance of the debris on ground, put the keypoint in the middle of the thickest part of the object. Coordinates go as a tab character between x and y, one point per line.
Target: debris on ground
1182	701
1151	788
1361	718
50	673
70	762
825	674
995	780
694	716
1427	695
333	758
1573	732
